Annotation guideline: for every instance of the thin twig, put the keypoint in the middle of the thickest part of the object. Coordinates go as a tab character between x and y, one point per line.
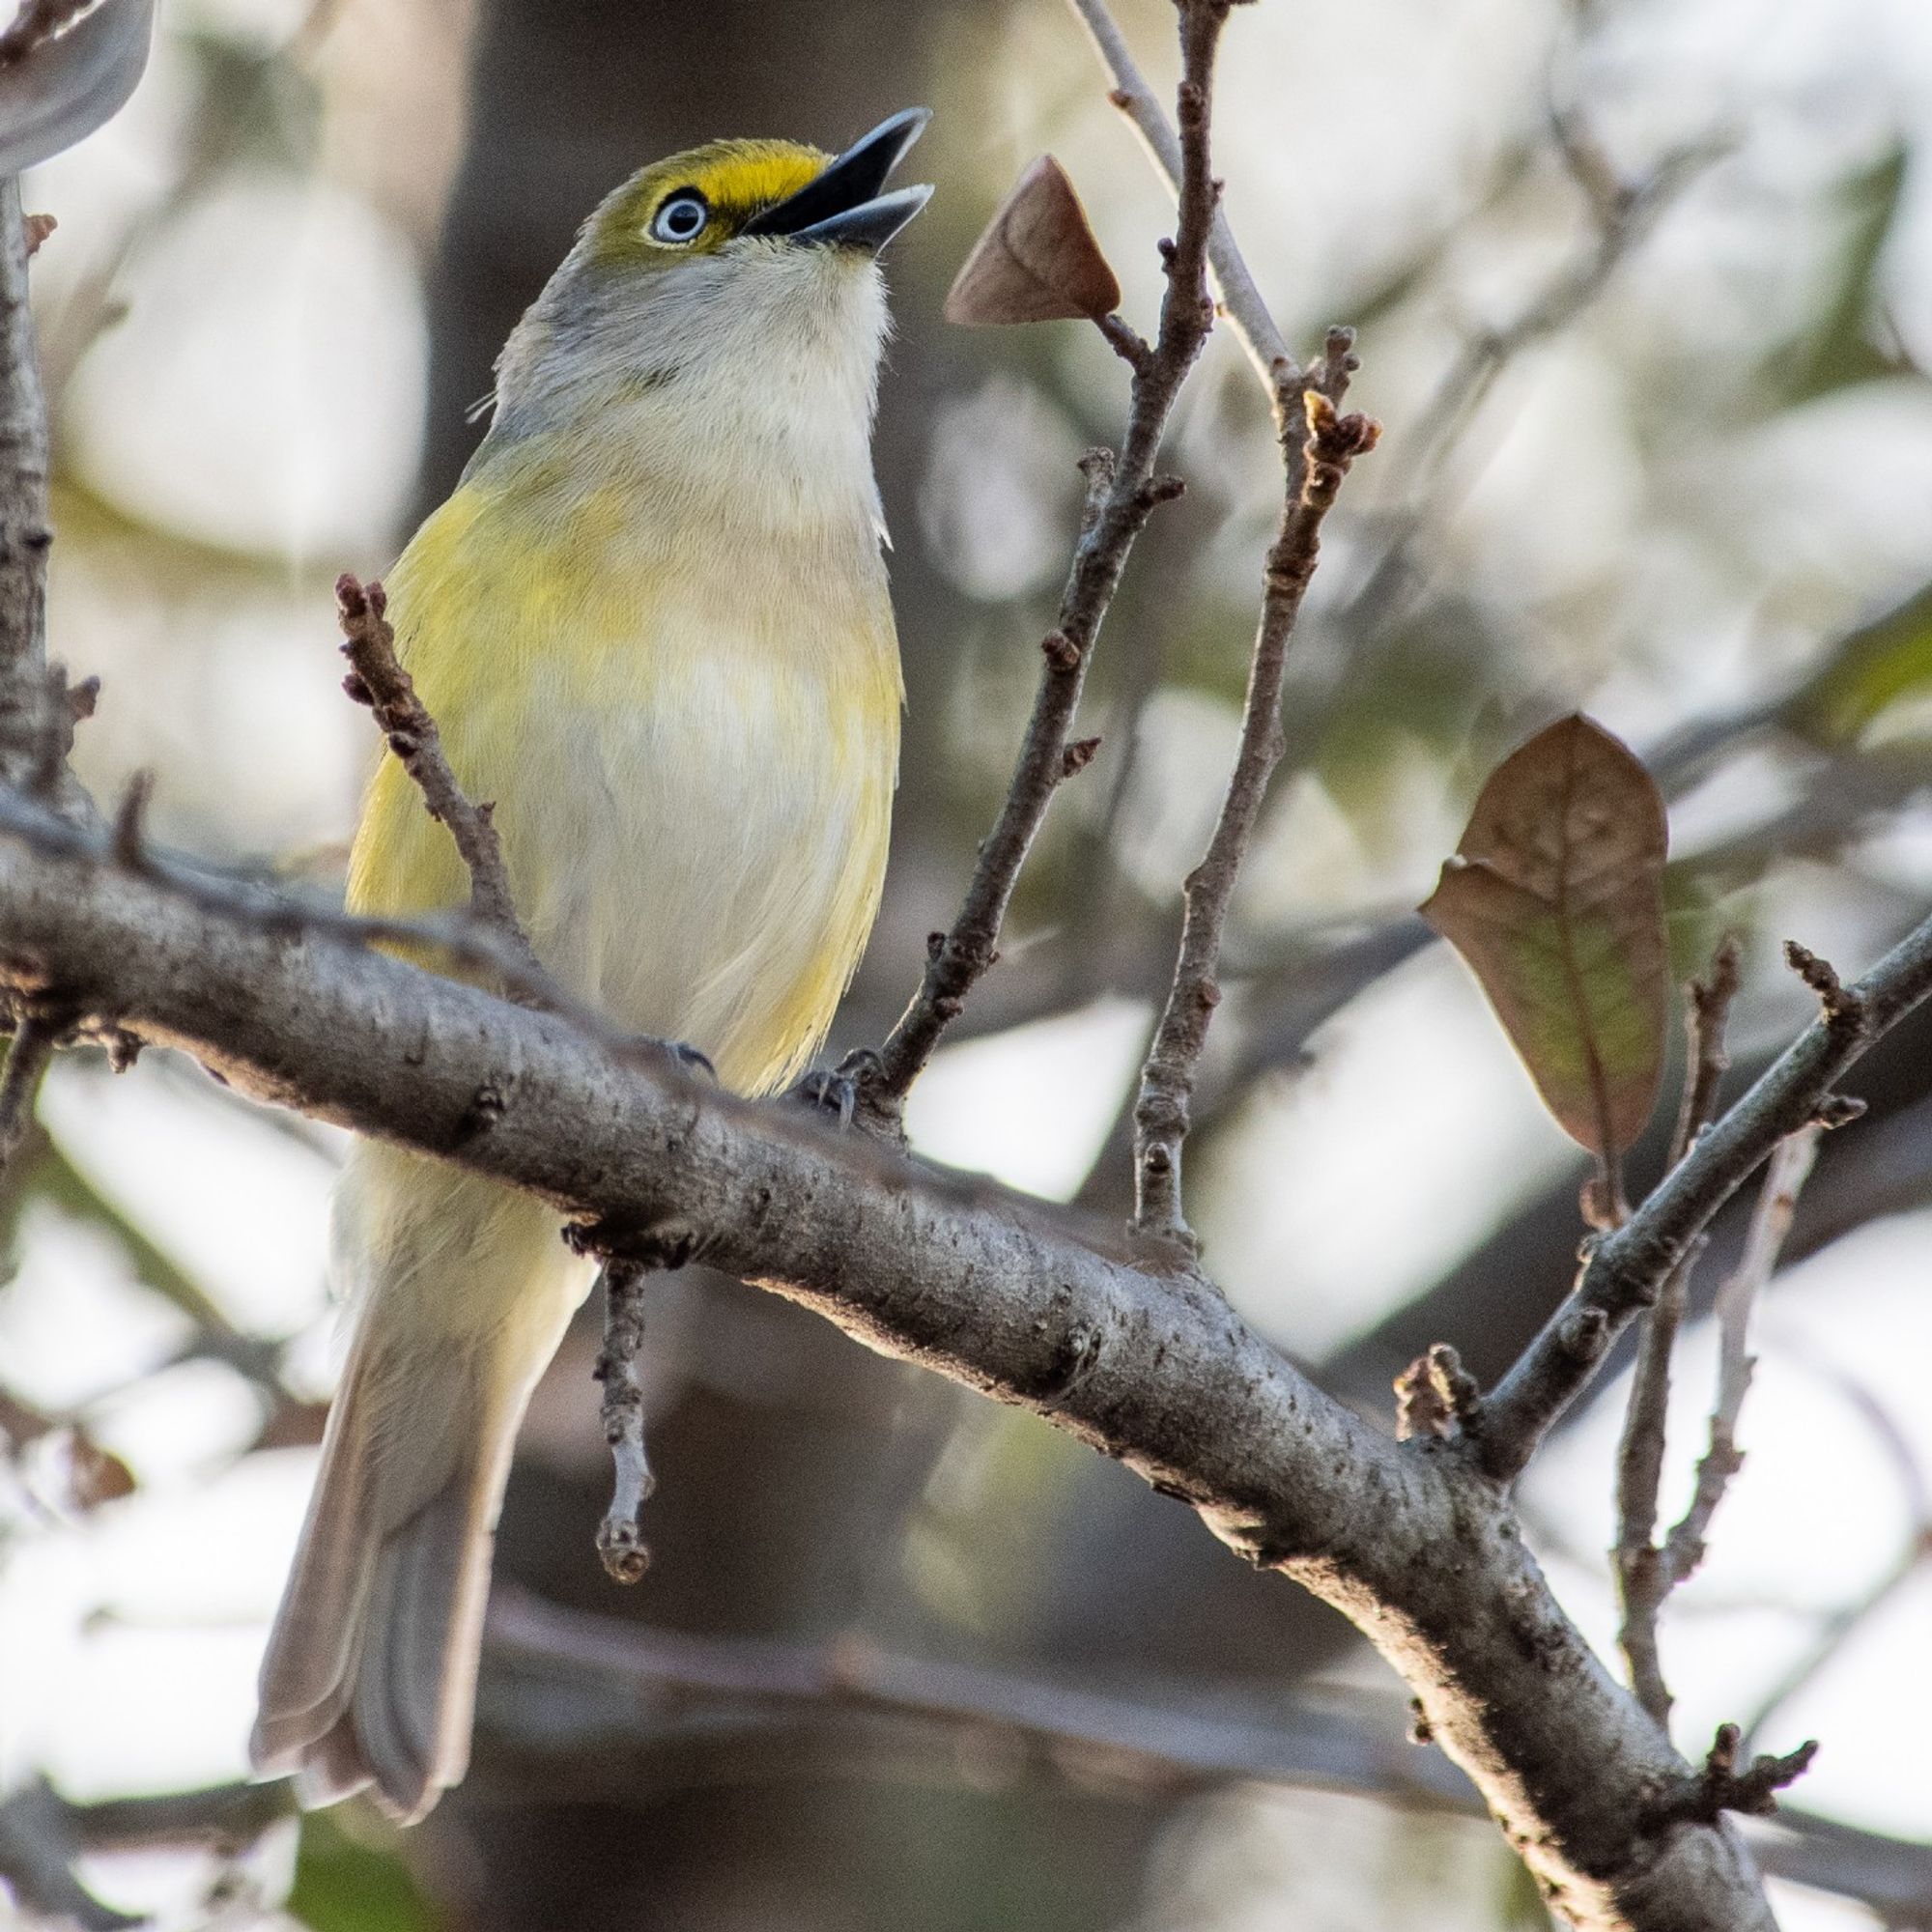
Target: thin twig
1624	1272
26	533
39	1850
1641	1571
1329	444
1770	1224
377	678
1240	300
621	1536
1122	494
66	706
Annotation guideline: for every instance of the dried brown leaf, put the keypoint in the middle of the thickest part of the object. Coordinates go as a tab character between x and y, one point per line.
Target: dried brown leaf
1037	261
1555	900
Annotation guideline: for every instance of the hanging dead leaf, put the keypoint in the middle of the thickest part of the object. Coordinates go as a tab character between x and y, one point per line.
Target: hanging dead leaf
1038	260
1555	899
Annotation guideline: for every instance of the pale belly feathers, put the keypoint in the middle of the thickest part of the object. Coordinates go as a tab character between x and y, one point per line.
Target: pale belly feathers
691	762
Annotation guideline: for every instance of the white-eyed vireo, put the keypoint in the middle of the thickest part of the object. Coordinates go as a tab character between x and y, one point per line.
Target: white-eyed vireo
652	624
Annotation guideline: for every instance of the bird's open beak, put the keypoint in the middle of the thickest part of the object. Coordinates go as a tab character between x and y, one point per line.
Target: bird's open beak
843	205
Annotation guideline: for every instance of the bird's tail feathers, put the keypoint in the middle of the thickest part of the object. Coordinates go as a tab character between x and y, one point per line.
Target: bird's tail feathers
369	1678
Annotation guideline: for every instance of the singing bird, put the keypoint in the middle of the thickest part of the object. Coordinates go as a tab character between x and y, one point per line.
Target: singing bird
652	623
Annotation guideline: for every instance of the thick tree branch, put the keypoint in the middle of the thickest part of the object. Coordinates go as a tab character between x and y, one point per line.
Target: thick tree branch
1122	494
1329	443
1625	1270
1007	1296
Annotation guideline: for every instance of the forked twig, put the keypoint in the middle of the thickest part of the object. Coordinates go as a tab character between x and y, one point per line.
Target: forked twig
1121	494
1241	300
1641	1571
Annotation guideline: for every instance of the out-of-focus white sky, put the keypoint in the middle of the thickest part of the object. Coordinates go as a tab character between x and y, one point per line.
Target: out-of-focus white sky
263	396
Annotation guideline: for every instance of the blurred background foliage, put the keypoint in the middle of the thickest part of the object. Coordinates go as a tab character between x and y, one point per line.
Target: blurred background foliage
1644	290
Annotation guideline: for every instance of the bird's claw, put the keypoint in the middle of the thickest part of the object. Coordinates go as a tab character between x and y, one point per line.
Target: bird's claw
837	1089
689	1059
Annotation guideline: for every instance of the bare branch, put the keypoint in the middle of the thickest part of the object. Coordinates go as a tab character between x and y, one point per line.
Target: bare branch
377	678
25	534
1329	444
1016	1299
1777	1201
1240	300
1624	1272
621	1536
38	1850
456	939
1122	495
1643	1582
1357	1742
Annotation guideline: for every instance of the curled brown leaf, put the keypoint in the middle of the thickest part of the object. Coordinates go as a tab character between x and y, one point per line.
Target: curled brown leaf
1037	260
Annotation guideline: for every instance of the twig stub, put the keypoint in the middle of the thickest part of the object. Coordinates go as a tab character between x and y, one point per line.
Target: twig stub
1841	1005
1721	1787
1435	1395
621	1536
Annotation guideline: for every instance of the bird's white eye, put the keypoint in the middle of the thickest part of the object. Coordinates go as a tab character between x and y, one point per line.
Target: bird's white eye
682	218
